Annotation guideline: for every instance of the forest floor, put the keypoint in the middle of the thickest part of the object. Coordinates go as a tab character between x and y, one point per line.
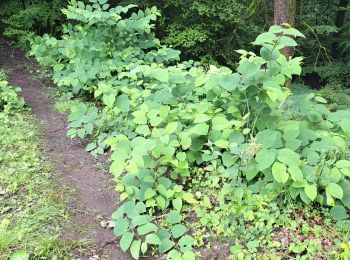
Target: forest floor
93	200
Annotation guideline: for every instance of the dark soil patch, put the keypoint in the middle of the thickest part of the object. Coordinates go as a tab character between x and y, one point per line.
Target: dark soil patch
94	197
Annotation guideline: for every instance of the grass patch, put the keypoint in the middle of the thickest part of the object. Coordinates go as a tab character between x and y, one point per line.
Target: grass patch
32	207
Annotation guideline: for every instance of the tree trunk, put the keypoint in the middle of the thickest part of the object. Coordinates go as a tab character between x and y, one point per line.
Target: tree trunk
285	12
340	18
339	22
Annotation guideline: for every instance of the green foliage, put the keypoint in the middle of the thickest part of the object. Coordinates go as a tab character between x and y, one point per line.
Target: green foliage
209	30
9	99
166	123
35	17
326	48
337	97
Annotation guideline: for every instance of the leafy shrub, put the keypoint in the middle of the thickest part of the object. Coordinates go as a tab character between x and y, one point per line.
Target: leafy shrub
167	123
208	30
332	73
337	97
9	99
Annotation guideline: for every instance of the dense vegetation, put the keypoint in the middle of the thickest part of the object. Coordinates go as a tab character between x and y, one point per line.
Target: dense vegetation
205	154
209	30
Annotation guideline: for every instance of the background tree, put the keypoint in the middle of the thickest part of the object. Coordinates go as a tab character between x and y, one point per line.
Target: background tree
339	23
285	12
210	31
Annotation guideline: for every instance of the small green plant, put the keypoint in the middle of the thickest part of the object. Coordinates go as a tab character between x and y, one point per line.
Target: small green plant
9	99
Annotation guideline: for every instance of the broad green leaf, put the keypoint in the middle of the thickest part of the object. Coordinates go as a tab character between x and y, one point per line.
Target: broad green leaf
135	249
162	234
228	159
200	118
144	247
345	171
289	157
279	172
177	204
200	129
343	164
181	156
334	176
161	74
304	197
311	191
285	41
120	226
189	255
229	82
346	199
123	103
267	138
129	208
143	130
221	143
250	172
140	220
314	116
147	228
185	243
295	173
90	147
126	240
161	202
81	133
149	193
185	142
293	32
171	127
109	100
220	123
188	197
334	190
275	93
161	189
174	255
178	230
236	137
152	239
173	217
165	245
338	213
265	158
345	125
266	37
140	117
320	99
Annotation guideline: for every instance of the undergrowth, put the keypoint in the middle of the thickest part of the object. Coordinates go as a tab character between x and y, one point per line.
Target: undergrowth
32	205
24	19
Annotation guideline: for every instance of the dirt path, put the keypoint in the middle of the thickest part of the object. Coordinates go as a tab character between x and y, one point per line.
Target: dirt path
94	193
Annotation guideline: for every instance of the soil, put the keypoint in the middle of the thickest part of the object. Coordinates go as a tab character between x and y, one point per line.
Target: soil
94	199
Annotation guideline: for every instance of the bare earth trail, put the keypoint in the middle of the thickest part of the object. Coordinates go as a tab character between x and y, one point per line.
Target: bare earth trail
93	188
